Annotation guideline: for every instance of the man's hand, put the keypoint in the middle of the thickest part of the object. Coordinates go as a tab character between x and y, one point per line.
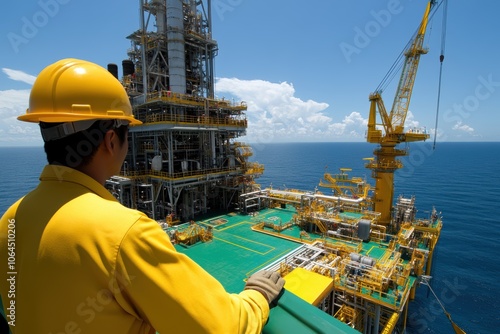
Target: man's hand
269	283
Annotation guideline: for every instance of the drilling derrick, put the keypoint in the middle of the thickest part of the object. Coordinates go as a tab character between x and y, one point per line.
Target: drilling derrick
184	159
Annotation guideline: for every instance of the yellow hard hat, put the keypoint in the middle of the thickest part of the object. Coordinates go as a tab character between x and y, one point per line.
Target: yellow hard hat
73	90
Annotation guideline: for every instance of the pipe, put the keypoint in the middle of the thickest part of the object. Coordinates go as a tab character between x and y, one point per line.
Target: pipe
343	199
143	52
251	193
377	318
175	45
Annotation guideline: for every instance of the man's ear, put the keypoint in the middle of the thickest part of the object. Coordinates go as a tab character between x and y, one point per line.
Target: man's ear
109	140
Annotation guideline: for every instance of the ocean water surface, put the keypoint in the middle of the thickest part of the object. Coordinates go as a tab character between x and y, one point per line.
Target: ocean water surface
462	180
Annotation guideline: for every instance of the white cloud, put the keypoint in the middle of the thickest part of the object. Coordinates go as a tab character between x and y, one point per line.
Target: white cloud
463	127
12	104
26	130
14	134
410	121
276	114
355	118
15	101
19	76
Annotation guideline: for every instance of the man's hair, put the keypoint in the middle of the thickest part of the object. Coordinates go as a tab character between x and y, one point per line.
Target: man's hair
78	149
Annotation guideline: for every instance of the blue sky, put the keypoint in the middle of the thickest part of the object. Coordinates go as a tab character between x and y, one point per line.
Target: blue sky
305	69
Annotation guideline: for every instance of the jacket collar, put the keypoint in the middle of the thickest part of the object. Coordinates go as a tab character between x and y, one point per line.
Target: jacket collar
66	174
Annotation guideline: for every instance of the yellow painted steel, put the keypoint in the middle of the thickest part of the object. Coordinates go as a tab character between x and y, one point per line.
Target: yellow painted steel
343	185
349	316
391	323
193	234
309	286
386	164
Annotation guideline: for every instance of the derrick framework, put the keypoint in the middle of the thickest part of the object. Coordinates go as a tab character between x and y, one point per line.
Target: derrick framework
185	158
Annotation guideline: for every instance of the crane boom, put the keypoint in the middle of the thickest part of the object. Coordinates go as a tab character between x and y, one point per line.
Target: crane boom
405	86
385	163
393	123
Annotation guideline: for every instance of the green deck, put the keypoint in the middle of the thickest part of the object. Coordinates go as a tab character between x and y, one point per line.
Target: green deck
236	251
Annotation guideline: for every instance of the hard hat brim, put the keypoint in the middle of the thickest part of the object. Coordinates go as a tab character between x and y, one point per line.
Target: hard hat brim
69	117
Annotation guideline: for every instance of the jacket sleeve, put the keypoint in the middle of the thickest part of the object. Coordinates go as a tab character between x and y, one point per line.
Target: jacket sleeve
173	294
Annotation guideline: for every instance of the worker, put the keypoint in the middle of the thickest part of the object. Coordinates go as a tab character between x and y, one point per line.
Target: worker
77	260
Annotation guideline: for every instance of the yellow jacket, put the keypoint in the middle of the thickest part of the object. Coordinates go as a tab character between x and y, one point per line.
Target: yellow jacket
74	260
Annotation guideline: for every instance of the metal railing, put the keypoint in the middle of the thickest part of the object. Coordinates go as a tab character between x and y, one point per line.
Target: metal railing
190	120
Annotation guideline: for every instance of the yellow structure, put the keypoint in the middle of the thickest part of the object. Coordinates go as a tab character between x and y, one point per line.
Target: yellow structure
308	285
385	164
342	185
349	265
193	234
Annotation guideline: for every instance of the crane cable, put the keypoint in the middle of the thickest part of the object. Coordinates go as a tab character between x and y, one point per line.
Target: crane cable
424	279
397	65
441	59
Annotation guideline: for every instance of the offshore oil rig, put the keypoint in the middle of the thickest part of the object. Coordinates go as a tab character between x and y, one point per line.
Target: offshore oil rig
185	159
352	258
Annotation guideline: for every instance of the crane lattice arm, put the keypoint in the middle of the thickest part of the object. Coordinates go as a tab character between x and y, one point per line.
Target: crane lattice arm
393	123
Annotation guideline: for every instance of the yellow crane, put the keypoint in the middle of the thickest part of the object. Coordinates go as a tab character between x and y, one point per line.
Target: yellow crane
385	162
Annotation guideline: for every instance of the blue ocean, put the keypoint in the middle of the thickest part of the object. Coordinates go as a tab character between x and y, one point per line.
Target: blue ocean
461	180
